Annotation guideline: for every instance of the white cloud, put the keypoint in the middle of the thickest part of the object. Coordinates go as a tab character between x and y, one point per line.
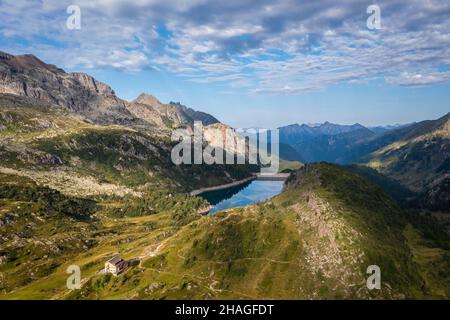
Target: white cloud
275	47
417	79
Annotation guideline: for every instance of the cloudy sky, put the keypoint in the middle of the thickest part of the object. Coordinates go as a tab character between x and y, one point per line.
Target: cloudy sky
252	63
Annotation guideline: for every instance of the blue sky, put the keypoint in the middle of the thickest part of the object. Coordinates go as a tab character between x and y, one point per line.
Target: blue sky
252	63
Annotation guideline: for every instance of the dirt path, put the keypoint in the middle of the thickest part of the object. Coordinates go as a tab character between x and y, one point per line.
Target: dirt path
154	252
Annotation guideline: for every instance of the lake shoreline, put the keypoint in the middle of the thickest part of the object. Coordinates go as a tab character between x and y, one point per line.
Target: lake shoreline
222	186
255	176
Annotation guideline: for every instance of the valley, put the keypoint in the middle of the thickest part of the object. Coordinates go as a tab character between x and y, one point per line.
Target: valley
86	176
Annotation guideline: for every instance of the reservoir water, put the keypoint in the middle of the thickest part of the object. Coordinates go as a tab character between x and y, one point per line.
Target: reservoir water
242	195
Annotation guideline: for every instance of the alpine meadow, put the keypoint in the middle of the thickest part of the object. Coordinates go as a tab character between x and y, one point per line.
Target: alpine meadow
237	150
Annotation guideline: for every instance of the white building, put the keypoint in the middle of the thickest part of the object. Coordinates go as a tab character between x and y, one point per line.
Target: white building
116	265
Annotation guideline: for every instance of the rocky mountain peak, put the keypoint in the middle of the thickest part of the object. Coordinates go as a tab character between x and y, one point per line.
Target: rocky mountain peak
92	85
28	76
5	56
26	61
147	99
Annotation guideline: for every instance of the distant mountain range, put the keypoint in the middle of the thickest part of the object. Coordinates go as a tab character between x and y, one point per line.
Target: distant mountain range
295	133
383	129
331	144
328	141
416	155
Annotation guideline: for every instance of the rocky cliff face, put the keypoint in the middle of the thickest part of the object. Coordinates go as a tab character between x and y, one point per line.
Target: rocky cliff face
172	115
26	75
205	118
150	109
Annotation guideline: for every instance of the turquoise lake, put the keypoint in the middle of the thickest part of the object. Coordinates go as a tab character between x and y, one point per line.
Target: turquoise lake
243	195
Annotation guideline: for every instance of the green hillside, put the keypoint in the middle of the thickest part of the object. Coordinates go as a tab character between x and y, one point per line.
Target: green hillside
86	176
314	240
66	153
419	160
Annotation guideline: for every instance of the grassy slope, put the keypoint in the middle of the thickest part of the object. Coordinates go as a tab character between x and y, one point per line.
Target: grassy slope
37	140
120	172
288	166
433	261
401	194
44	231
315	240
40	229
418	157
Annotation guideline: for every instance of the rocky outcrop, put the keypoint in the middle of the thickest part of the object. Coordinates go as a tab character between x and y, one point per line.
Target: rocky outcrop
93	86
194	115
26	75
150	109
172	115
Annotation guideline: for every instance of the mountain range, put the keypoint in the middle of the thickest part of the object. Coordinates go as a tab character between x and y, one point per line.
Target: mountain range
26	75
329	141
416	155
86	175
